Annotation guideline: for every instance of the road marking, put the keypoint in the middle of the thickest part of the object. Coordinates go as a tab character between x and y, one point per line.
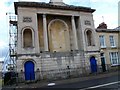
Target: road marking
101	85
51	84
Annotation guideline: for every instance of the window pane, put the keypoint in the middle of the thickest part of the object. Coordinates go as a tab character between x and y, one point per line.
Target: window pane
114	58
102	40
112	42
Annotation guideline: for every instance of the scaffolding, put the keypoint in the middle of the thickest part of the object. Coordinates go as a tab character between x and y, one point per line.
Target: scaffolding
12	39
10	59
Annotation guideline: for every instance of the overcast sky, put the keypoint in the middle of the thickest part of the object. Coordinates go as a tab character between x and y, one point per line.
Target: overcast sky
104	8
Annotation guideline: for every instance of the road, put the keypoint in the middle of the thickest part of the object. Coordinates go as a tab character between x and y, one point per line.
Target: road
112	82
103	83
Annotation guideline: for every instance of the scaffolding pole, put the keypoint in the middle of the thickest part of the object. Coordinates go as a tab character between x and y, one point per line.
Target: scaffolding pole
12	40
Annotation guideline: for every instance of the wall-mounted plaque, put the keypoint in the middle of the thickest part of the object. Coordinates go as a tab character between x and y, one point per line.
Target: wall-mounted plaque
87	22
27	19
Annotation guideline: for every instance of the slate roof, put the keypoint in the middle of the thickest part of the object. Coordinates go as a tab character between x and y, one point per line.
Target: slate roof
118	28
107	30
51	6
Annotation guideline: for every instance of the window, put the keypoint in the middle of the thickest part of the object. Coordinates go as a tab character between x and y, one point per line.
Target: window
102	41
89	38
114	58
27	38
112	41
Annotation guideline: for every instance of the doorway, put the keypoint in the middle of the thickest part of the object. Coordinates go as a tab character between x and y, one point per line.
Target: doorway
29	70
103	62
93	64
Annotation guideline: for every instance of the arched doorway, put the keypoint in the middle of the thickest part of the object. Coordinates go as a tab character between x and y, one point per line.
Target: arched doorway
29	70
93	64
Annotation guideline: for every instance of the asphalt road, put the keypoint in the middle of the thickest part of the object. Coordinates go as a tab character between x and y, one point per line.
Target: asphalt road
112	82
103	83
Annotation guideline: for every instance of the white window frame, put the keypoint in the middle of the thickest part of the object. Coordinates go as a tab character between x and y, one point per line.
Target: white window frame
113	56
102	41
112	41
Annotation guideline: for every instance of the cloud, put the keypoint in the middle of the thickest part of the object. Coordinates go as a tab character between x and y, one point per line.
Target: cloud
109	19
3	49
108	9
1	59
85	3
9	2
105	1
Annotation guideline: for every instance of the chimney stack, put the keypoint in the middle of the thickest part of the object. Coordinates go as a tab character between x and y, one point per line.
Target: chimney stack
102	26
57	2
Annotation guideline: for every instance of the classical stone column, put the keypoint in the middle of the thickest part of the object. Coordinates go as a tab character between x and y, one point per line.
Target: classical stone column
45	33
74	33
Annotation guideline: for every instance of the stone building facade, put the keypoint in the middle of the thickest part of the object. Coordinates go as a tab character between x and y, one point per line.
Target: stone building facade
109	45
1	64
55	36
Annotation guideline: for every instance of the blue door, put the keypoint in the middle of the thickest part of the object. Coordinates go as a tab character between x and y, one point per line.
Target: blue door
29	70
93	64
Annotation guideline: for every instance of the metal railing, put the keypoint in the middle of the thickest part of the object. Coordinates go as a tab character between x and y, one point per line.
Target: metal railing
66	73
59	74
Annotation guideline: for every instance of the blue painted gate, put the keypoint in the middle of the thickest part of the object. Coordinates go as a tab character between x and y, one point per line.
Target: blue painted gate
93	64
29	70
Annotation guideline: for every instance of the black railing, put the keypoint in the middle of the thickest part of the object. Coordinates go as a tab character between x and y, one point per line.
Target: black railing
65	73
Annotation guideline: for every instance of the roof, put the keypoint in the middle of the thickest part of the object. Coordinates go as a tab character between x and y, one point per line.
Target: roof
107	30
1	61
118	28
51	6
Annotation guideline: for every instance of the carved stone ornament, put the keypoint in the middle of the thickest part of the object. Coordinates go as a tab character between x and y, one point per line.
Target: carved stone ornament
87	22
27	19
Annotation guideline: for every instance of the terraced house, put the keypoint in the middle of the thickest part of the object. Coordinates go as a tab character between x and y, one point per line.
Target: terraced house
56	40
109	44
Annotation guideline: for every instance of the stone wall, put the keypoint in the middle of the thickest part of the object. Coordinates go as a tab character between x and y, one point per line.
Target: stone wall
57	62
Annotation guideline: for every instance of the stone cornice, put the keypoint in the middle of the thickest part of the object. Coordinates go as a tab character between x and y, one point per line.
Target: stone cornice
51	6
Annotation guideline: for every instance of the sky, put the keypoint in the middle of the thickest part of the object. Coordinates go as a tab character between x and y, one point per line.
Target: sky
106	10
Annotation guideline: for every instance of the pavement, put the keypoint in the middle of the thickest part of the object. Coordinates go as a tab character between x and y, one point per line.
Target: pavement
41	84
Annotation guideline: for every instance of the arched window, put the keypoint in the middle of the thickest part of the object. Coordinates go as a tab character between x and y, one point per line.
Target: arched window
27	38
90	41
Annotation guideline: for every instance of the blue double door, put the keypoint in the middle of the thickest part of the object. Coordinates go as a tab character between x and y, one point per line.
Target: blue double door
29	70
93	64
